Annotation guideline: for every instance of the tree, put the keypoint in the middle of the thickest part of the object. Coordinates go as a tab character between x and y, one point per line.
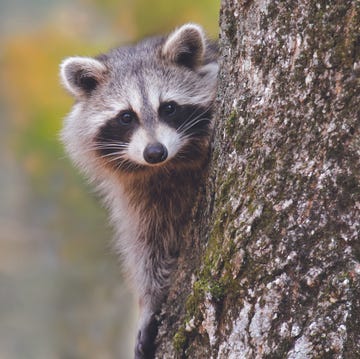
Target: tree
270	266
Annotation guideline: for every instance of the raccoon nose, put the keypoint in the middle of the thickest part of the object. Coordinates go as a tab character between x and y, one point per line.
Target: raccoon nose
155	153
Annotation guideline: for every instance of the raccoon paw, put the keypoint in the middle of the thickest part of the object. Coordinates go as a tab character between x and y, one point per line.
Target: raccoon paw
145	342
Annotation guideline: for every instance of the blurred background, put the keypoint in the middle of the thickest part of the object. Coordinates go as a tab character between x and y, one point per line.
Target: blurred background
61	290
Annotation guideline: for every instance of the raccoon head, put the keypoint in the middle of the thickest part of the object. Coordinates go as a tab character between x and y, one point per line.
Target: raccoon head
142	107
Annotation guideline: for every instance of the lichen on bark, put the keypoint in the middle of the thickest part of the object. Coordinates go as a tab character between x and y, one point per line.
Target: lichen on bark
271	265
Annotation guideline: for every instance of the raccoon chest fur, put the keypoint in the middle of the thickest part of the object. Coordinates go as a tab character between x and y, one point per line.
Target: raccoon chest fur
164	203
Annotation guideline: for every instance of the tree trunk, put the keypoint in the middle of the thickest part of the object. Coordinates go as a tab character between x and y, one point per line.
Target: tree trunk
270	265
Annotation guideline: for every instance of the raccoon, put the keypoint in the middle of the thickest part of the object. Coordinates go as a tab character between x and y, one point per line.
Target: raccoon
140	130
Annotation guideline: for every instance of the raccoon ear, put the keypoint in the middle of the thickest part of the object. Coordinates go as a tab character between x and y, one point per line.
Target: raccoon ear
81	75
185	46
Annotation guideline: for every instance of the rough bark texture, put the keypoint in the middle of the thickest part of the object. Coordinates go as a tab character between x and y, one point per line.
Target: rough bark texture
271	265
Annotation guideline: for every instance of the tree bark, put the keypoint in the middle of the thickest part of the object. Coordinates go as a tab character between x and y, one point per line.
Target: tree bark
271	261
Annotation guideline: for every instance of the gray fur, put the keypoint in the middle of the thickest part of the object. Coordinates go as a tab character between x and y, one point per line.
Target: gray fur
149	203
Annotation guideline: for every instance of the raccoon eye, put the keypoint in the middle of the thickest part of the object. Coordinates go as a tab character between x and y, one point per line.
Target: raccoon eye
126	117
168	108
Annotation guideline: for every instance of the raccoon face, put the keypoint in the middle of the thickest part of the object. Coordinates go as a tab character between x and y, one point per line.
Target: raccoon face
145	106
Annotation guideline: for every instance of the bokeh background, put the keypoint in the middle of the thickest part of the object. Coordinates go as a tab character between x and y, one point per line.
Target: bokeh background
61	290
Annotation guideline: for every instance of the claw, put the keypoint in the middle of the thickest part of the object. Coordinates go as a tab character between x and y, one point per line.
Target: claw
145	343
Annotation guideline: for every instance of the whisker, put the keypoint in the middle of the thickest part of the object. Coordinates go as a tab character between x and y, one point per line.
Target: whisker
115	158
108	146
112	154
193	123
185	122
186	125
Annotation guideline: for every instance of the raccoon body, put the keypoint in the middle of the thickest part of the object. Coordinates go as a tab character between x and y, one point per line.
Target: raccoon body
140	130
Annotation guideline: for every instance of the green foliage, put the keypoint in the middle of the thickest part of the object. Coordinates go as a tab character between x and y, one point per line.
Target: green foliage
159	16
